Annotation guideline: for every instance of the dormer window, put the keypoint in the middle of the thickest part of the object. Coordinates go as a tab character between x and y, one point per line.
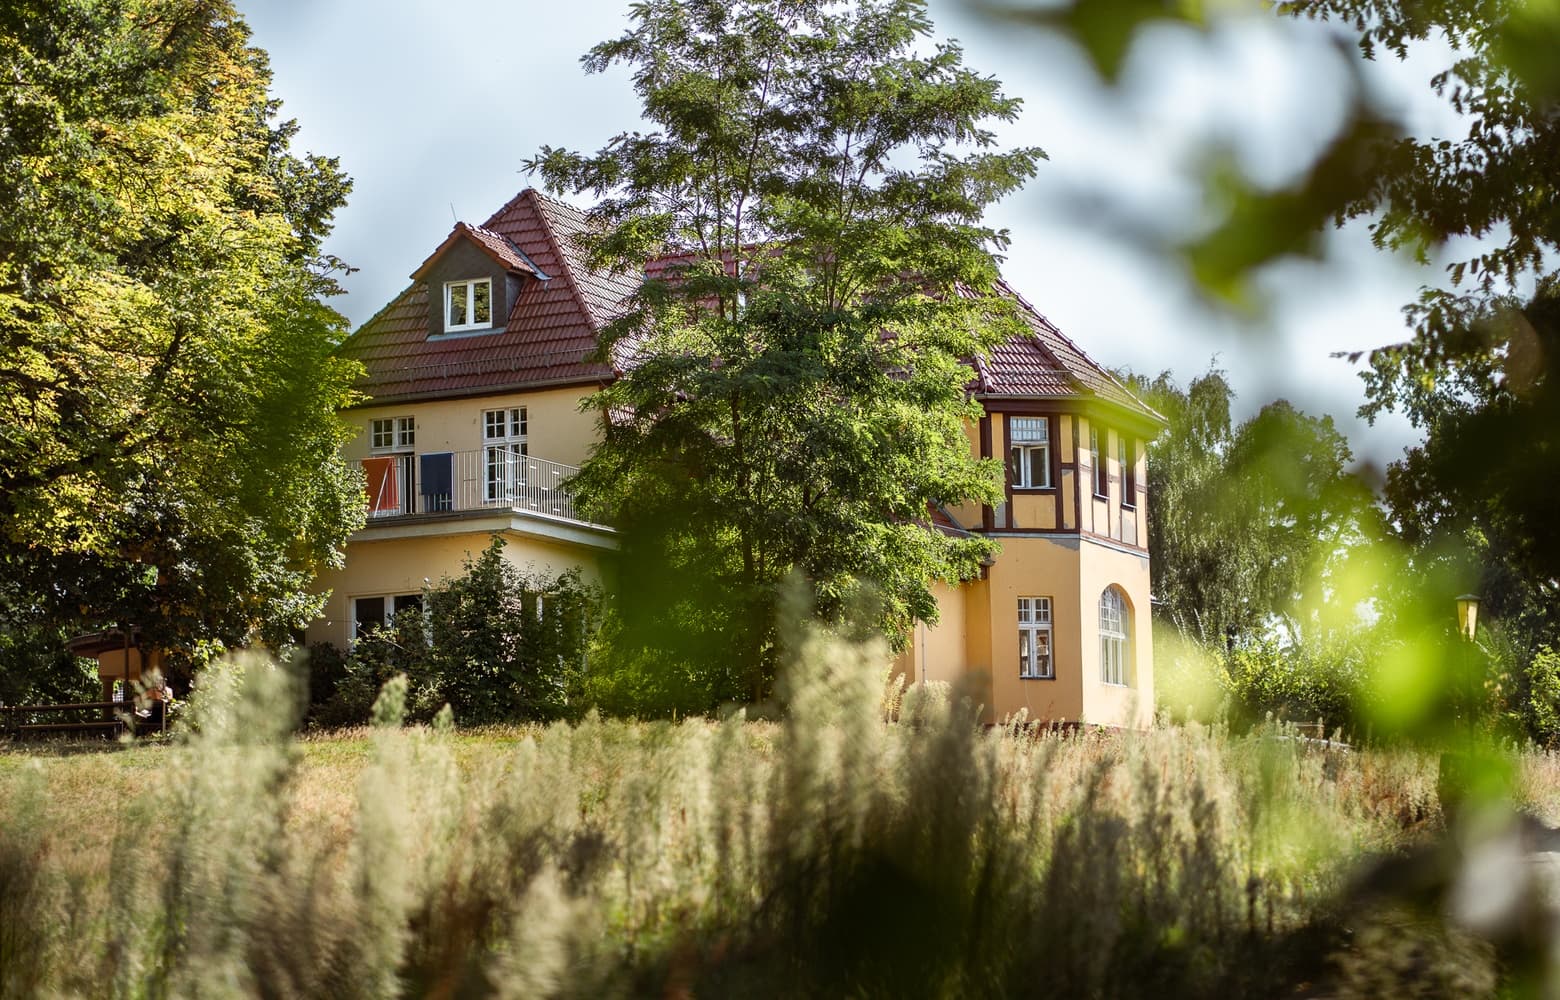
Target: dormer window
468	305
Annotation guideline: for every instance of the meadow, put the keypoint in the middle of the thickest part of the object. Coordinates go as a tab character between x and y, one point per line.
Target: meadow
835	854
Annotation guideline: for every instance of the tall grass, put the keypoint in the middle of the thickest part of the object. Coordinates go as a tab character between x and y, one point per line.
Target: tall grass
836	853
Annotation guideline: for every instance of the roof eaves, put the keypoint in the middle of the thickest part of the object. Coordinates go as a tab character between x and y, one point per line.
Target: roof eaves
1055	330
497	389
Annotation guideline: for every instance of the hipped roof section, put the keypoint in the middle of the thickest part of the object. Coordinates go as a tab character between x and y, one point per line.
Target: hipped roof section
552	329
1044	363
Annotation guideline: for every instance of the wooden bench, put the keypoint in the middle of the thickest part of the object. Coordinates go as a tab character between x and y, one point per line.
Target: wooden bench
94	719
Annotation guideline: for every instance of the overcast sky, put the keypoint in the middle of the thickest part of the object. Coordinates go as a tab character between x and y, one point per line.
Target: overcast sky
433	107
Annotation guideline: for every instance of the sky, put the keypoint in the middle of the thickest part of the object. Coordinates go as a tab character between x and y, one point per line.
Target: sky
433	108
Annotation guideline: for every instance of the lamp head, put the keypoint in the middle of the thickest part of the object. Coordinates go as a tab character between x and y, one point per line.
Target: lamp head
1468	615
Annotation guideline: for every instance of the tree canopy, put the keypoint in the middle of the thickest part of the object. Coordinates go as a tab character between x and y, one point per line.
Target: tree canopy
792	396
168	438
1249	519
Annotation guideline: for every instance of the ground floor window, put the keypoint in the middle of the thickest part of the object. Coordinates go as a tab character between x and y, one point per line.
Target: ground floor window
1113	636
1034	638
379	611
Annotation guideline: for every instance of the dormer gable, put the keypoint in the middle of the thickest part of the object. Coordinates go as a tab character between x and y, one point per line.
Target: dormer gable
474	280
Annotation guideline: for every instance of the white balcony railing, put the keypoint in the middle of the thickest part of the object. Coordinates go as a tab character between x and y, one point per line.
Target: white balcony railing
497	477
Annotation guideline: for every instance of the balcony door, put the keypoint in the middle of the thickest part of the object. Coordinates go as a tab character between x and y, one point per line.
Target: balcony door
503	454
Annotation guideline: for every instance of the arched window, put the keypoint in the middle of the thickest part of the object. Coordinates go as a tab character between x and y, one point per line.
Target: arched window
1114	638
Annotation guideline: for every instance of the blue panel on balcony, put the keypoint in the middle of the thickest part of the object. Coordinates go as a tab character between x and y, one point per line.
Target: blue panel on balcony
438	481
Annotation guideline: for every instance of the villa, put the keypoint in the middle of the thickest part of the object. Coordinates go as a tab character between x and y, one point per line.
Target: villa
472	424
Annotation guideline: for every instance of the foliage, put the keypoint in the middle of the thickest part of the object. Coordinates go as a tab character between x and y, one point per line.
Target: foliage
168	438
1523	686
495	644
1249	520
35	667
1475	498
831	855
1477	374
792	396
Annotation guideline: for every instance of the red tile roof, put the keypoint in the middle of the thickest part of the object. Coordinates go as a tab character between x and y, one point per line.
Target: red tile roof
1046	363
553	329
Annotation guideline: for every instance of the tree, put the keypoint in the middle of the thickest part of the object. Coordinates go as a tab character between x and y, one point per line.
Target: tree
792	396
1248	520
1473	500
168	438
1488	199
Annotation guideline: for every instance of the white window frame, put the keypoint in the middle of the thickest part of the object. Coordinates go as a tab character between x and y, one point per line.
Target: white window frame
1034	627
504	450
392	434
1115	638
1101	471
1030	436
389	611
467	287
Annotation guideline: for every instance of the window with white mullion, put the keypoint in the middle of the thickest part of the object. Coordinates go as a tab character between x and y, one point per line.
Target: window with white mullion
1034	639
1029	452
1113	637
468	305
504	452
378	611
392	434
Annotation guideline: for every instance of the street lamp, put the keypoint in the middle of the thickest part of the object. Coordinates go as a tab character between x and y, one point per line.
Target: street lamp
1468	615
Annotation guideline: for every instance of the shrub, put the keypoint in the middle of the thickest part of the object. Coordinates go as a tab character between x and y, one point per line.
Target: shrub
496	644
1258	680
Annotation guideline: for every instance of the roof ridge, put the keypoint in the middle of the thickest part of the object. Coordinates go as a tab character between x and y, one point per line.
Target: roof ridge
506	207
564	260
543	196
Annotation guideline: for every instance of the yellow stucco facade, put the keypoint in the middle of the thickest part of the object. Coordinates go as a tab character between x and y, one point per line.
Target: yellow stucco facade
399	556
558	429
1066	546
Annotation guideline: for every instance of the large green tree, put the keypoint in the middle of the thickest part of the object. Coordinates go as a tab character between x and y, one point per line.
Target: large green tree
168	439
792	397
1249	520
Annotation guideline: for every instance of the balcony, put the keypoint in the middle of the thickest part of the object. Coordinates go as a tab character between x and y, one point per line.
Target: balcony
495	478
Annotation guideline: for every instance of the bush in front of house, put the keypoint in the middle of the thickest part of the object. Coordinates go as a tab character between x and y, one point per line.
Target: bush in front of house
496	644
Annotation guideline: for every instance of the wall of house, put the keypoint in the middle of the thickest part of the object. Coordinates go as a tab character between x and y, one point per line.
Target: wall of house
977	644
983	615
1034	567
938	652
1108	516
556	430
401	565
1103	565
